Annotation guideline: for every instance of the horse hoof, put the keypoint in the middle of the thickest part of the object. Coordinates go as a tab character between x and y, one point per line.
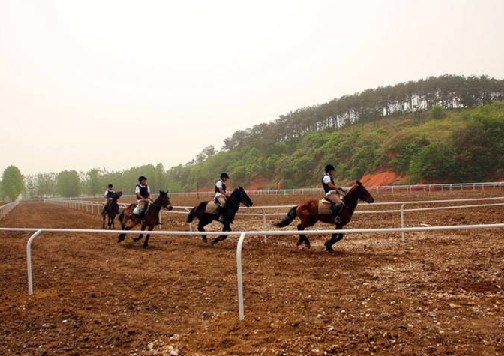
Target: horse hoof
145	246
121	238
214	241
205	240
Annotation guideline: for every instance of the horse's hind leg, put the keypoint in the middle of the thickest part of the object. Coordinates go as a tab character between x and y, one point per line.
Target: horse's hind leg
122	237
302	238
202	229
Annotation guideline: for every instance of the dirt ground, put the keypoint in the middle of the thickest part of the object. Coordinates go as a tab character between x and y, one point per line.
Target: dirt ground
434	293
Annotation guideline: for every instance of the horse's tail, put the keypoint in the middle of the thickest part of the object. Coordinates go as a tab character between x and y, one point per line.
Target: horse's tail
190	217
291	215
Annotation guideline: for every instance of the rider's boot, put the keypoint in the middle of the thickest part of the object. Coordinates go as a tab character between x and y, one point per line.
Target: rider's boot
335	211
220	210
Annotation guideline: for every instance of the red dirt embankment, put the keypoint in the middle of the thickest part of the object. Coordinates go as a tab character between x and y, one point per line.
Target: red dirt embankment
382	178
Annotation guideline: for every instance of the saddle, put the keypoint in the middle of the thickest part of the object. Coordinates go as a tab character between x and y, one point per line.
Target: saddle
211	207
324	206
138	211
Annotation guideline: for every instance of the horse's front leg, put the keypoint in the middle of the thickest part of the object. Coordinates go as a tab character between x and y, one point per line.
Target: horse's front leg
146	242
334	238
226	228
139	237
104	217
302	238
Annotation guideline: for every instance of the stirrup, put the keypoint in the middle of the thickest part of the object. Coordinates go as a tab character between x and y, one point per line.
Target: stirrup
337	219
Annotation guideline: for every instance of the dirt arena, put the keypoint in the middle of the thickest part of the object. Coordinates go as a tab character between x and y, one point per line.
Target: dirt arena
434	293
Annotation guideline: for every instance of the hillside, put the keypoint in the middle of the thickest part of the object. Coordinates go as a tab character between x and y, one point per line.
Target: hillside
436	146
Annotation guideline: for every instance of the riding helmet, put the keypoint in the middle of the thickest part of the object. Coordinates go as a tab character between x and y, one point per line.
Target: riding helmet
224	175
141	178
111	186
329	168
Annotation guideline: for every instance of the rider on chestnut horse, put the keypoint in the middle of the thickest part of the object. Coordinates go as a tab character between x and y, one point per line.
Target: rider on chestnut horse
332	192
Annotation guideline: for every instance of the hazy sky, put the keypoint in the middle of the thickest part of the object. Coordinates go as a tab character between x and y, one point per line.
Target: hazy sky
117	84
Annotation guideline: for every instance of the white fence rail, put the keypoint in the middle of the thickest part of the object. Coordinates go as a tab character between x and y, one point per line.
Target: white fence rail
242	234
7	208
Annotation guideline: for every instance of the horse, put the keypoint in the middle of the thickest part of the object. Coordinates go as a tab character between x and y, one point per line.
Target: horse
150	219
110	210
227	214
308	213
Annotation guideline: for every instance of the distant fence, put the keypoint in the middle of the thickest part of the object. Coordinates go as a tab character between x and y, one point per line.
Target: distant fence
5	209
317	190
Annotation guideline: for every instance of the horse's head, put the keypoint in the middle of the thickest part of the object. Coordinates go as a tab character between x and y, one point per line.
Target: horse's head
360	192
242	197
116	195
164	200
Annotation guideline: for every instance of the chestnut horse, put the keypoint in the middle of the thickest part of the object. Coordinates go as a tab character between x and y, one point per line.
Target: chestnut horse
150	219
227	216
110	210
308	214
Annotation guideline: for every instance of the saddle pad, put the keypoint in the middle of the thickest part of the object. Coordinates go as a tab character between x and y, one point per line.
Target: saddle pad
211	208
324	207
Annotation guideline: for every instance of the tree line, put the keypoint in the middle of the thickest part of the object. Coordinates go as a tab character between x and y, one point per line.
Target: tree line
447	91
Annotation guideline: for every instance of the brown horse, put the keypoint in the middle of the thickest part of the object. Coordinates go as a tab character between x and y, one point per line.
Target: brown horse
110	210
150	219
308	214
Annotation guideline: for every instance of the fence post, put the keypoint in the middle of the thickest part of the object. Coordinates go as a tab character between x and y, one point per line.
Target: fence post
239	271
29	260
402	221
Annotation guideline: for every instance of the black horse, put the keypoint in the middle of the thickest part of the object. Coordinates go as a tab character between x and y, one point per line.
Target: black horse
308	213
110	210
150	219
227	215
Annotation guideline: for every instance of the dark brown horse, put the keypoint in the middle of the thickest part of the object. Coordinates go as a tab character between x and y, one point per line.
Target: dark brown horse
110	210
308	213
150	219
227	215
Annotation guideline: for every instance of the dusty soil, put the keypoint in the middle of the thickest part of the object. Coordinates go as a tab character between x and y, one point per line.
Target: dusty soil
434	293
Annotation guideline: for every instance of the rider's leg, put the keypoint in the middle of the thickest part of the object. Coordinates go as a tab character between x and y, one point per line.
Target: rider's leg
221	202
335	207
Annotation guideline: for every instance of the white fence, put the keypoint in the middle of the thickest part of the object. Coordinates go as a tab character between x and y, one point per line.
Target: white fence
242	234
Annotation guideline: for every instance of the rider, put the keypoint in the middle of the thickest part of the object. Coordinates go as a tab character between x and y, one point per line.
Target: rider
142	192
221	194
109	195
332	192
